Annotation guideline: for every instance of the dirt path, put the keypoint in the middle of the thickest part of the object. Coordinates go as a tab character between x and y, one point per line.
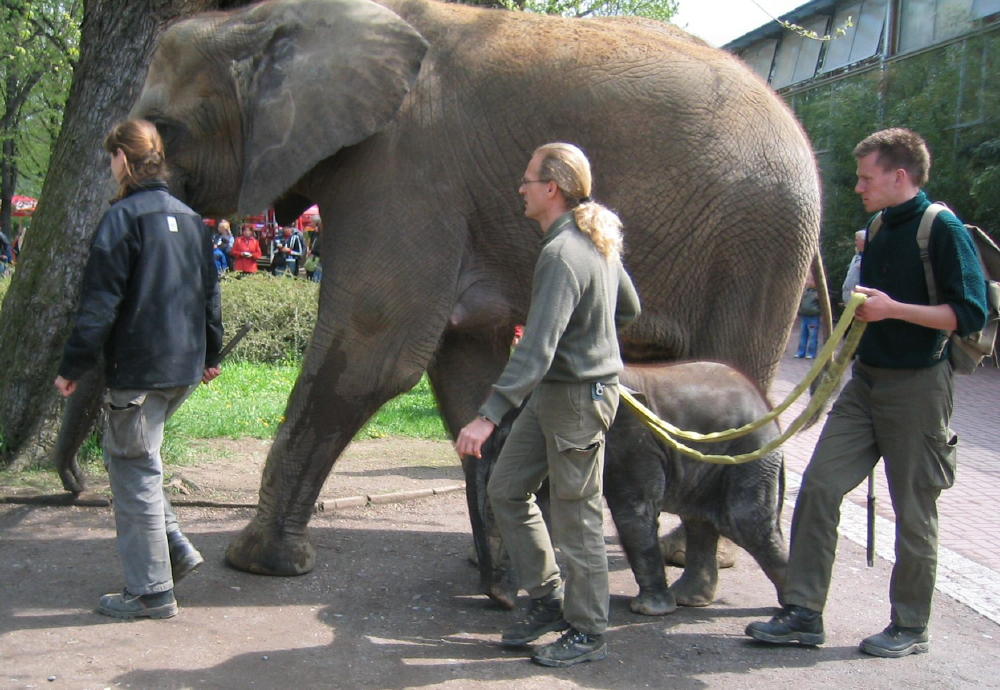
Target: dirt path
392	603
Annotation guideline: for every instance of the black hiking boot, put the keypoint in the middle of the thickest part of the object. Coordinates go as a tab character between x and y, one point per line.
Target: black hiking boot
896	641
184	558
573	647
793	624
543	615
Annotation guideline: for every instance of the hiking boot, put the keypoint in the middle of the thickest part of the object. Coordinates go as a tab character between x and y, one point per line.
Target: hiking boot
573	647
896	641
129	606
793	624
184	558
544	615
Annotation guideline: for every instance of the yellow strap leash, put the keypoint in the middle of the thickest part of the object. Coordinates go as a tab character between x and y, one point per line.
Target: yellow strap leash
838	361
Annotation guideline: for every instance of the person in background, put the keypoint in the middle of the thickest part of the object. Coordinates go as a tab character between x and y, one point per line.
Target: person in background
809	316
223	242
246	251
853	276
286	252
150	305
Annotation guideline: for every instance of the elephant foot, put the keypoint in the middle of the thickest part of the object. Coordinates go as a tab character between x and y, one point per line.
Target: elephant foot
262	550
674	549
503	594
653	603
693	591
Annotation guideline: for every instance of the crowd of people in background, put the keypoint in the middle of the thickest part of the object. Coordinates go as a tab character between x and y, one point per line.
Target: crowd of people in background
290	252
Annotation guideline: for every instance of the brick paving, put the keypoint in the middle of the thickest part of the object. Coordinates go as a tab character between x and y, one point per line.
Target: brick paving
969	512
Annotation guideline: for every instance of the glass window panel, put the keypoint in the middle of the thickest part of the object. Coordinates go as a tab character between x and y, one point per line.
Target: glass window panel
984	8
838	50
953	18
784	61
805	66
760	56
869	29
916	24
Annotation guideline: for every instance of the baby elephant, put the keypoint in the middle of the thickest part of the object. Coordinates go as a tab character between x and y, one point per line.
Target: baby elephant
643	476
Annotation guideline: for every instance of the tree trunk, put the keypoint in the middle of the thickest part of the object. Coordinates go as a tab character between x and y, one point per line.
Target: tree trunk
116	43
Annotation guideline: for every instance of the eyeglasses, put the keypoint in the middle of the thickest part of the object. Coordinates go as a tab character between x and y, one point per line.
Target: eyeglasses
525	181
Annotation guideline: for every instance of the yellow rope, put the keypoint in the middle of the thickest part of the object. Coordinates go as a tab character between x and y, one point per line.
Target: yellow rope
839	361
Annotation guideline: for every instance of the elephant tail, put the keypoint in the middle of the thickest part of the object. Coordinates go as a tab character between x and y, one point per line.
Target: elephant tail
826	325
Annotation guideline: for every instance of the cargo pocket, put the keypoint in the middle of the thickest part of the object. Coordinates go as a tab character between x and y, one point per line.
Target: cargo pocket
942	447
125	438
578	475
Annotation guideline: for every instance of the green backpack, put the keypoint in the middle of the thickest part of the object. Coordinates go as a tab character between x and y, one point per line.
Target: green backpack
965	353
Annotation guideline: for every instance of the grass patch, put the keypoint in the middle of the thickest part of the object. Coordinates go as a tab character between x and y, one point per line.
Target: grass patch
249	399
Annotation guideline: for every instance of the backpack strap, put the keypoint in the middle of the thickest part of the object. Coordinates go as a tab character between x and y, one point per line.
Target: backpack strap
923	239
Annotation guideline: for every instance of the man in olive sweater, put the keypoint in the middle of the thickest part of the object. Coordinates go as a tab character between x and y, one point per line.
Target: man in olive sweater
568	361
896	406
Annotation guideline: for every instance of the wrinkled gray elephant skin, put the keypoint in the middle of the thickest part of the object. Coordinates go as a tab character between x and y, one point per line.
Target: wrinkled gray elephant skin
643	477
410	124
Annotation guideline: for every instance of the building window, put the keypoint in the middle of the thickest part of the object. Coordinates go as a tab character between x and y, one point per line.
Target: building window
760	56
797	55
926	22
862	39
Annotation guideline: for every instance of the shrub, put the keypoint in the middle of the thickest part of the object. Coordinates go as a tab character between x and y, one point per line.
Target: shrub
281	310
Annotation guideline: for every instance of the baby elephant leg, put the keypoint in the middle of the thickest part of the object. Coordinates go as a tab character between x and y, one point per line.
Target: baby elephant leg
636	521
696	587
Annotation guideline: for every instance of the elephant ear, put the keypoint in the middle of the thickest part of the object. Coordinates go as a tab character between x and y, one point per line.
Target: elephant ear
324	74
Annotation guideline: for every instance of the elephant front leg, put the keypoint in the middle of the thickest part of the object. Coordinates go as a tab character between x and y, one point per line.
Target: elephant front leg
696	586
321	421
637	523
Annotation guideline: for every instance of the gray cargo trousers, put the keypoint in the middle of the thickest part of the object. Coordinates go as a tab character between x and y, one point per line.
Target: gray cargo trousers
143	514
901	415
559	434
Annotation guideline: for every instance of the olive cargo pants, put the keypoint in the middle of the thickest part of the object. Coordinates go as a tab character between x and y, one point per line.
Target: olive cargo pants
901	415
559	434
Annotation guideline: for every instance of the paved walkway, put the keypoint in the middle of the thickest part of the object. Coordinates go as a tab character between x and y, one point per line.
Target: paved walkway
969	512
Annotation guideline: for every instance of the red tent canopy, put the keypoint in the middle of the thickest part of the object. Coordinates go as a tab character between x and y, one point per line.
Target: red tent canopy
23	205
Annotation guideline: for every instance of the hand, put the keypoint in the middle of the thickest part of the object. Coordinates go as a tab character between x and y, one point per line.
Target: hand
65	386
246	254
210	373
877	307
472	437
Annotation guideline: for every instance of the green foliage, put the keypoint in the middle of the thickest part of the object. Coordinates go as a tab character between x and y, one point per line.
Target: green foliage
39	44
281	310
653	9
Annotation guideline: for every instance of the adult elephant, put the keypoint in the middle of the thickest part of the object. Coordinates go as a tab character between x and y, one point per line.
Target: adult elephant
409	123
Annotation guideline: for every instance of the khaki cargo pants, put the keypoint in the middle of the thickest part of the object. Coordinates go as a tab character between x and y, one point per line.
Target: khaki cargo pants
559	434
901	415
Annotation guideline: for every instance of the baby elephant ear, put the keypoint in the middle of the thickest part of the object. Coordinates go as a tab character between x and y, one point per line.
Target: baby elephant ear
331	74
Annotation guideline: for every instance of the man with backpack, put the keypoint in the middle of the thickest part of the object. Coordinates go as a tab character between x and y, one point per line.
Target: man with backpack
896	406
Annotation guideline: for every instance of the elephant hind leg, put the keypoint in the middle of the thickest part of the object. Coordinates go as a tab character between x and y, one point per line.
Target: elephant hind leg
696	587
767	546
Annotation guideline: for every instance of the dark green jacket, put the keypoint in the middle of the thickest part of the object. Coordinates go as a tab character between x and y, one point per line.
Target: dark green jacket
891	263
578	300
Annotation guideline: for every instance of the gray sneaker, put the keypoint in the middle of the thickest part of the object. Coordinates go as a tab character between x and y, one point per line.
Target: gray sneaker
544	615
574	647
130	606
896	641
793	624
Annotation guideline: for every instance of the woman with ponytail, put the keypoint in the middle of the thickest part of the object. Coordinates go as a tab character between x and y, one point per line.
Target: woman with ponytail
568	361
150	305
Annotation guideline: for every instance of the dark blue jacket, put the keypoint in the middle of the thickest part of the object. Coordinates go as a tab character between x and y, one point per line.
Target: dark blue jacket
150	297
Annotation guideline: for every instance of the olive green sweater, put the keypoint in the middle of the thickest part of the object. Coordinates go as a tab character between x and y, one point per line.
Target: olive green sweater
578	300
891	262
